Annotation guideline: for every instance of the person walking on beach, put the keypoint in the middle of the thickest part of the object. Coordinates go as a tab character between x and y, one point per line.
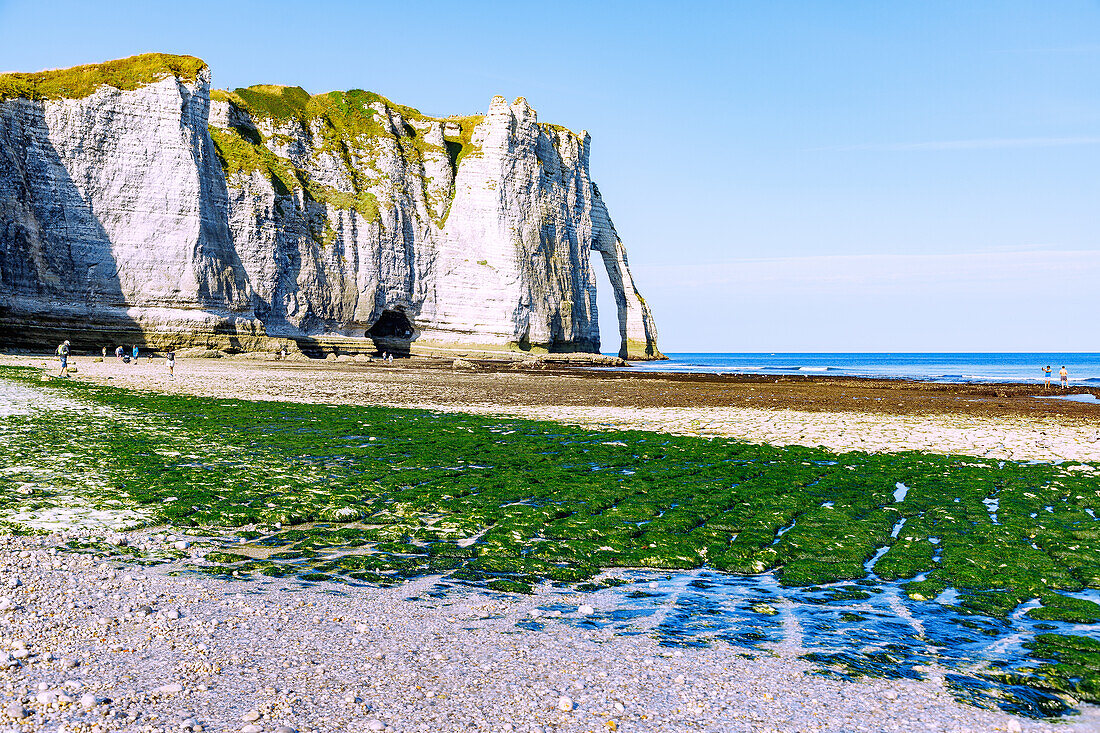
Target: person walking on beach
1046	376
170	360
104	353
63	357
118	353
134	354
1064	375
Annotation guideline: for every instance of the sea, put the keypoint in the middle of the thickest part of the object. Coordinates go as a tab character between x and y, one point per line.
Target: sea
950	367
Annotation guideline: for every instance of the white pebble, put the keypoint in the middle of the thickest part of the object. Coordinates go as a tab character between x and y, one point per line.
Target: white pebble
565	704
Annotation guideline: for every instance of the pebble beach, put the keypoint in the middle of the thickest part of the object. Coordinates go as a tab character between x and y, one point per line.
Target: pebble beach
97	647
90	647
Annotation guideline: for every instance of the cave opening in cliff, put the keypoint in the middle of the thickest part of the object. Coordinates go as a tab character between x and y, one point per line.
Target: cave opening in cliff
392	332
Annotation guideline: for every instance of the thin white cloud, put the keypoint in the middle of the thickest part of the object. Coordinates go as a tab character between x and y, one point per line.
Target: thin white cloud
994	143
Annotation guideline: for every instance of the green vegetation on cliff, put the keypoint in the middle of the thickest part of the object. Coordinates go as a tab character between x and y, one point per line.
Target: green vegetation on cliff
241	155
353	126
80	81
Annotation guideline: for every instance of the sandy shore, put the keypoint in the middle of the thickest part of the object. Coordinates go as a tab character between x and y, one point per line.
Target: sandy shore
840	415
93	648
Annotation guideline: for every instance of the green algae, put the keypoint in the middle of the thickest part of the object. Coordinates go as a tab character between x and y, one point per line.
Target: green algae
80	81
329	493
1072	667
420	492
1057	607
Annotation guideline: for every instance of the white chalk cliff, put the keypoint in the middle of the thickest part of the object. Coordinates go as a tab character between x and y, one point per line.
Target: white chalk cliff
135	204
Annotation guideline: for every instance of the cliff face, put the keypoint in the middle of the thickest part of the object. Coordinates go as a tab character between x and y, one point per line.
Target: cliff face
134	207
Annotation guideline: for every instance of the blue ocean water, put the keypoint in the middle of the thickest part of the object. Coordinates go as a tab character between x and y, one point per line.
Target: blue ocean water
1083	368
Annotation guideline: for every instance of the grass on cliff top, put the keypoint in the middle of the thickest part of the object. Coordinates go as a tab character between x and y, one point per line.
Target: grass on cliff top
350	126
80	81
349	114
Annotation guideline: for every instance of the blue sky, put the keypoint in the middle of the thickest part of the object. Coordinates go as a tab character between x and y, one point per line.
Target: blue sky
787	176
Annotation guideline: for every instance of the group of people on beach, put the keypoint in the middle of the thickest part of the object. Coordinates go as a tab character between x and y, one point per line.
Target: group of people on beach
65	349
1063	375
131	358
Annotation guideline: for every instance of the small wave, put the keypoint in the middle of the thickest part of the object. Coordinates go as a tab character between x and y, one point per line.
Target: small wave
813	369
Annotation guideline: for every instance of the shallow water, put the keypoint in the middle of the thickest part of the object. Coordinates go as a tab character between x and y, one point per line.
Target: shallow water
1084	368
1087	398
847	630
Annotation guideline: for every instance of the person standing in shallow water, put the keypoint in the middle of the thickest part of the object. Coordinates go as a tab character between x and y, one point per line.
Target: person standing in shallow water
1064	376
1046	376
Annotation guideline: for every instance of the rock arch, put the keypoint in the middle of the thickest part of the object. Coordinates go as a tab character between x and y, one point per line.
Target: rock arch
637	331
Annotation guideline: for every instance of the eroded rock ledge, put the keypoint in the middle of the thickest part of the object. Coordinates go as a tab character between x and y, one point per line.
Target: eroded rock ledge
137	205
